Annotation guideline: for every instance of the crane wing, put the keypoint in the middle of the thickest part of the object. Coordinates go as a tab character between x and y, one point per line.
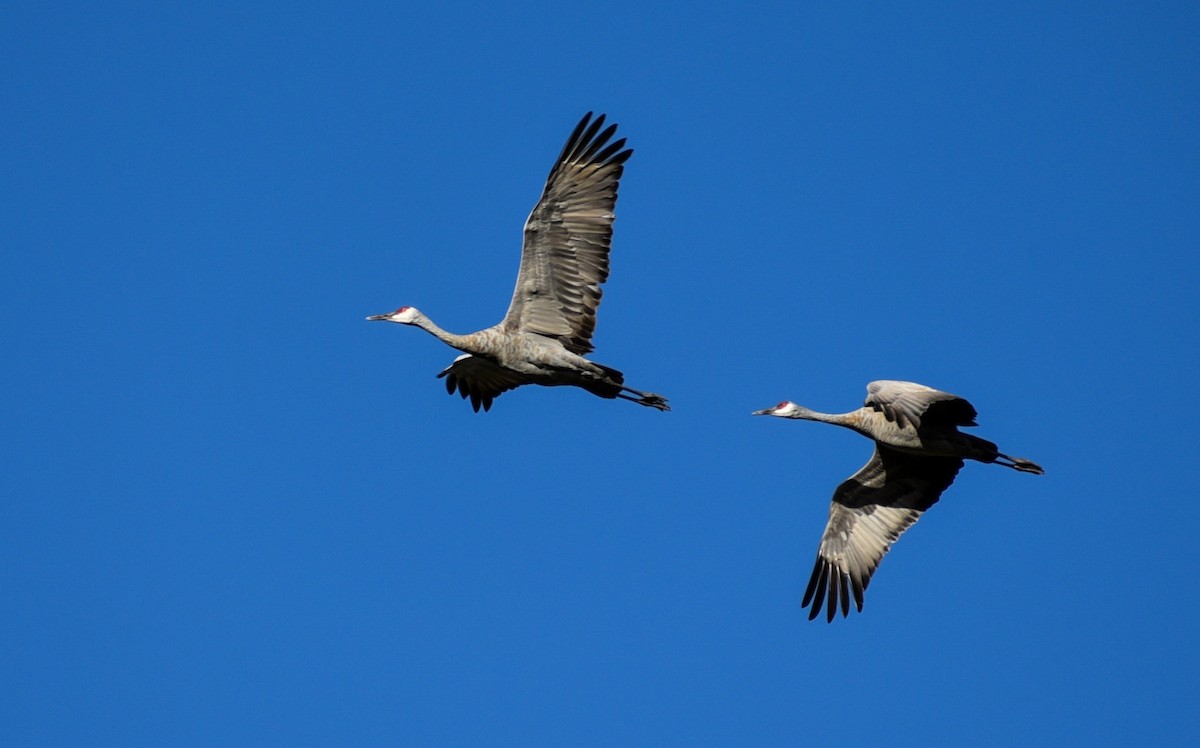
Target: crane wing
909	402
869	512
567	239
479	379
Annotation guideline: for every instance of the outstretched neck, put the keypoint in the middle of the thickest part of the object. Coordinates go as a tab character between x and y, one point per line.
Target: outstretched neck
850	420
457	341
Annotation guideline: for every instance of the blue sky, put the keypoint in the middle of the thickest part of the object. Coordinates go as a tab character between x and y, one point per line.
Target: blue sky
235	513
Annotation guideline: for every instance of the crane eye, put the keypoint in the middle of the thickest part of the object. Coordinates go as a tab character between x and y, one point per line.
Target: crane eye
781	405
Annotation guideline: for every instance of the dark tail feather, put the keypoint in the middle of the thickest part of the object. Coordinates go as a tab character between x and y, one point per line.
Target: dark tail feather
616	376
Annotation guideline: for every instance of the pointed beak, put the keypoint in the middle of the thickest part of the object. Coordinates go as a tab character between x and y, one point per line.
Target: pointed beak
377	317
764	412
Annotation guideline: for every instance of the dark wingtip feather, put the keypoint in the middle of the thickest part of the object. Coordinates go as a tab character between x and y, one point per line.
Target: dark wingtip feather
589	154
579	128
812	583
831	589
832	606
572	141
813	612
585	140
606	155
819	593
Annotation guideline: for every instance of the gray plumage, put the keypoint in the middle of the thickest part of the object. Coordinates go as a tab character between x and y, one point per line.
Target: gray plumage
918	452
550	321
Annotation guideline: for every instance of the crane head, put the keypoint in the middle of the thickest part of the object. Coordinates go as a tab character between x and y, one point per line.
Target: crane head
786	409
405	315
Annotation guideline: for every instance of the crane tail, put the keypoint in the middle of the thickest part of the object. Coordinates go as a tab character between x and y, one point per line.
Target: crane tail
615	376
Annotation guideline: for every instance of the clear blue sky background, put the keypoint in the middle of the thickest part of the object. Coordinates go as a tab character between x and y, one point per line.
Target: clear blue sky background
235	513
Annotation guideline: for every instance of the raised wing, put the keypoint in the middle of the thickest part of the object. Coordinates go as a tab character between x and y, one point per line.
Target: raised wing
909	403
479	379
869	512
567	238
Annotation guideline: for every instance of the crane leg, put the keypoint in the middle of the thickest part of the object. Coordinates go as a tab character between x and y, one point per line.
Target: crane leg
644	398
1016	463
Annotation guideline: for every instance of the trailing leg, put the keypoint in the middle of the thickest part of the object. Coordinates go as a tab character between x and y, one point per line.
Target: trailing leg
1016	463
648	399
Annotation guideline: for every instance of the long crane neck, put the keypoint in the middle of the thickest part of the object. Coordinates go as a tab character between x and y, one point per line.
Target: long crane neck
461	342
851	420
855	420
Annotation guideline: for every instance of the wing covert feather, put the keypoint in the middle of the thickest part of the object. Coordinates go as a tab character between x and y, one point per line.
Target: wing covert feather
909	402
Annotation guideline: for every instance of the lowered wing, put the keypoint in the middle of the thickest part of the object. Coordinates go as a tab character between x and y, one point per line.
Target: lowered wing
479	379
869	512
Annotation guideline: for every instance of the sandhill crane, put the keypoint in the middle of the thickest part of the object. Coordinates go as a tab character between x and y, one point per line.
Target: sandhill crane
552	315
918	451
